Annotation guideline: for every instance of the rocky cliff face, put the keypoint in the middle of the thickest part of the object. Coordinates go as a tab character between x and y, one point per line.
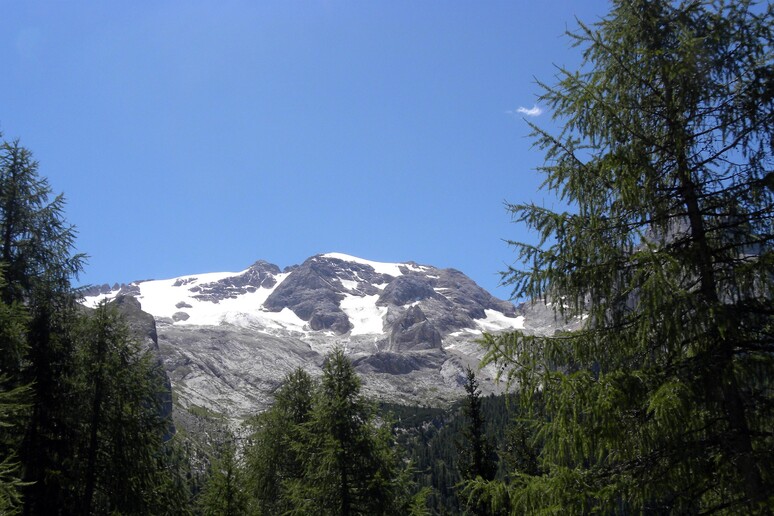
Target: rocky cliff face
227	339
142	327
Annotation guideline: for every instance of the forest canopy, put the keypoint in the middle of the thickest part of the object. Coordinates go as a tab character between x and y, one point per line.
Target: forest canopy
663	400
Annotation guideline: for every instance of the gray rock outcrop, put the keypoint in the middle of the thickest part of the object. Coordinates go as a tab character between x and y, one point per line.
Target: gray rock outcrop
414	332
142	326
409	329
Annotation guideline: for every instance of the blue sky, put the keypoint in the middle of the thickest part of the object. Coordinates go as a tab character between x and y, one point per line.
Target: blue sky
192	136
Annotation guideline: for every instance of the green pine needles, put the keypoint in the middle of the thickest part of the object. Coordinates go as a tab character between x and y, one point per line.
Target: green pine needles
320	450
81	422
664	400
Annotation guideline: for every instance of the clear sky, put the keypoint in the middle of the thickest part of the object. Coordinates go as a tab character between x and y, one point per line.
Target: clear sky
192	136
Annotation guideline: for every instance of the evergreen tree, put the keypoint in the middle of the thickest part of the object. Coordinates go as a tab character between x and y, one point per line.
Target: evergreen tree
37	242
36	253
79	401
12	404
13	400
273	460
348	465
122	426
224	492
663	400
477	456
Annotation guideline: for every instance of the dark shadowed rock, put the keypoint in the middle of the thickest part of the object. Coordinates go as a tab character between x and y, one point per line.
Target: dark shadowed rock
123	289
407	289
143	327
141	324
413	332
395	363
464	293
313	292
261	274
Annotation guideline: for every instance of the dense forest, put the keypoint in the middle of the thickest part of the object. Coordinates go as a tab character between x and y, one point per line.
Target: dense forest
662	402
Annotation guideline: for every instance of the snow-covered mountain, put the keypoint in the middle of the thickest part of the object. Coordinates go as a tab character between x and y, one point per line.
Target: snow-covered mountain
228	339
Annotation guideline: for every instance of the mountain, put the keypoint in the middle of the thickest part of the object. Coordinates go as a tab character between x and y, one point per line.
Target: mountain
228	339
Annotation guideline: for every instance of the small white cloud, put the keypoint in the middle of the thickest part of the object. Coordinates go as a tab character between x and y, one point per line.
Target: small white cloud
533	111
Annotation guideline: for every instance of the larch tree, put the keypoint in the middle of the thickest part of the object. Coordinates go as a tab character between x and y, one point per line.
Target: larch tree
120	460
664	399
36	253
348	465
224	493
79	401
477	455
272	455
13	404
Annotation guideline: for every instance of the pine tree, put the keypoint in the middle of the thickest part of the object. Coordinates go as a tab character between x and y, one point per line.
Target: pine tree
478	457
224	492
121	422
37	242
349	467
13	403
663	400
36	253
273	460
79	402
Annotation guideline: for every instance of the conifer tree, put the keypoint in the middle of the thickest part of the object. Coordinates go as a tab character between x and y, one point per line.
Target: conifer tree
13	403
36	253
273	460
224	493
348	465
478	457
663	400
122	425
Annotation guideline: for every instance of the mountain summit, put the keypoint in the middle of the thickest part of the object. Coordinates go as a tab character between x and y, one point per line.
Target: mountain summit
227	339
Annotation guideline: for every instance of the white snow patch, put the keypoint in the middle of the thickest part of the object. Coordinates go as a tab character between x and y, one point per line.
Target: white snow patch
349	284
161	297
497	321
366	317
464	331
392	269
93	301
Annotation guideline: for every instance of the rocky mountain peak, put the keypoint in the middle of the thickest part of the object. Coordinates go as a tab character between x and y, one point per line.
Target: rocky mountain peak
227	339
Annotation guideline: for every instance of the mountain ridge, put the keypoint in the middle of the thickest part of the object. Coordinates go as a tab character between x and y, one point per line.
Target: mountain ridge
227	339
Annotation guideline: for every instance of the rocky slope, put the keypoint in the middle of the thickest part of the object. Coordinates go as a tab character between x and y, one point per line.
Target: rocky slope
228	339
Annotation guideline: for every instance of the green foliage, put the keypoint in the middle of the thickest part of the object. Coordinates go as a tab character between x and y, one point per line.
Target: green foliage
36	257
36	241
224	492
79	402
348	465
274	460
430	439
320	450
122	432
12	403
477	454
663	400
